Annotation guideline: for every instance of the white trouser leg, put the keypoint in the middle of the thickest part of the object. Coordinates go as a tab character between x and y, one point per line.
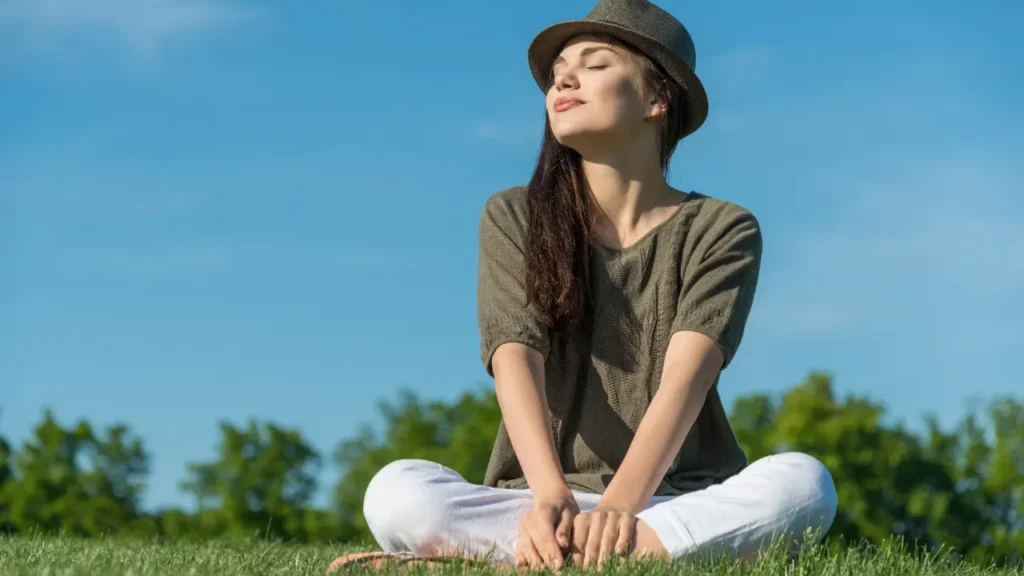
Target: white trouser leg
426	508
779	495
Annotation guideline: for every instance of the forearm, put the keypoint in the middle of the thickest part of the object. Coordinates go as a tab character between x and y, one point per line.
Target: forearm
686	380
519	386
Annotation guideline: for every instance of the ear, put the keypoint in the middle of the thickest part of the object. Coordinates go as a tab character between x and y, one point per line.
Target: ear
656	108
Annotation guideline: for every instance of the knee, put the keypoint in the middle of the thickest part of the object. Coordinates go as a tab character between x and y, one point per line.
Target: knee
402	505
807	492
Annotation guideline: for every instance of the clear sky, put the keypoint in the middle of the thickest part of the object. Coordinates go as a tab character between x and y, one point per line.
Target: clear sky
221	209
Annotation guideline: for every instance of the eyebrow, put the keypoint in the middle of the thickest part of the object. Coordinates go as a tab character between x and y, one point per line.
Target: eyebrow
585	52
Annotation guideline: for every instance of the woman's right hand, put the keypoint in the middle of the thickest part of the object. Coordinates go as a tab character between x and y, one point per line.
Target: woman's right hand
545	530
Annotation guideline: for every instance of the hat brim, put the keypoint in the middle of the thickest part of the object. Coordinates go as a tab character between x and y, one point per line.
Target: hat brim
549	43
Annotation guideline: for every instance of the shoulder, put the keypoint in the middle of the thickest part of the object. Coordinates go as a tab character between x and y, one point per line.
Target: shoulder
508	201
506	210
716	219
712	211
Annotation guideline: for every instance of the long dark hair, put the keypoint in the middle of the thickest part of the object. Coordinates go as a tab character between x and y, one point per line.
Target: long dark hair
560	232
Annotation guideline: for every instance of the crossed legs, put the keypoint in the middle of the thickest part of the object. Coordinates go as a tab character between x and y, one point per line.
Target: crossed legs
424	508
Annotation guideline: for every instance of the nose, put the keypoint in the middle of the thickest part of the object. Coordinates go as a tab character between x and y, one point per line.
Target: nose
565	79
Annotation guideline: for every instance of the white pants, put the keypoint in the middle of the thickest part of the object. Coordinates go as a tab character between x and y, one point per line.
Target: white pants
421	507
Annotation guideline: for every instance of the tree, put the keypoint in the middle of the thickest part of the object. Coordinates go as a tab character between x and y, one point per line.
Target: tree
751	419
1004	480
986	457
458	435
73	481
261	485
6	475
951	489
862	454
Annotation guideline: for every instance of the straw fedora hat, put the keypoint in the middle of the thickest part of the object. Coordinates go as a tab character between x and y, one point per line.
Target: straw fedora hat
646	27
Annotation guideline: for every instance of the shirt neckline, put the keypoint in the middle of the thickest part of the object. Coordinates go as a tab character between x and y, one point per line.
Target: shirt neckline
616	252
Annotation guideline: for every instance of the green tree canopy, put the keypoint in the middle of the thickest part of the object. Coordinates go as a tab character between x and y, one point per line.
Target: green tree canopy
261	484
953	489
6	475
458	434
74	481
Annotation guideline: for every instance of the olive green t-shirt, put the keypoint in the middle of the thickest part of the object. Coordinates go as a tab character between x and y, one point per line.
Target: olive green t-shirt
695	271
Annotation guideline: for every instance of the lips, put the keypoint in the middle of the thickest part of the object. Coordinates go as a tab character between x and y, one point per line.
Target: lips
564	103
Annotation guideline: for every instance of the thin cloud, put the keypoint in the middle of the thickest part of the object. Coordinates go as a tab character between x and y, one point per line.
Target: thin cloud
933	245
224	257
142	26
742	68
506	132
736	82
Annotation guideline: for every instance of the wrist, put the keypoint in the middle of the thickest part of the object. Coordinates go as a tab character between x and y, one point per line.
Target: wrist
554	492
611	502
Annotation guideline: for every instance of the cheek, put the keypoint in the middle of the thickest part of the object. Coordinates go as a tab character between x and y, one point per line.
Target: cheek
630	100
619	101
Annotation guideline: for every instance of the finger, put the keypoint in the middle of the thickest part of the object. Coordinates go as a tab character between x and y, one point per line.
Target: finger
608	537
578	553
533	559
523	553
522	542
579	541
522	560
593	548
580	527
545	544
564	529
625	540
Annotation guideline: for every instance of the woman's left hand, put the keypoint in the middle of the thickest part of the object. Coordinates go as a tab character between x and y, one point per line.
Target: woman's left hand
600	533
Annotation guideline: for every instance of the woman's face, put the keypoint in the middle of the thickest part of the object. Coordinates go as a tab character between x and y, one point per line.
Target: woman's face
596	93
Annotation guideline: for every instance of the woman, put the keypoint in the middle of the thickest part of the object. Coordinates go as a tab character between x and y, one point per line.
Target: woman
609	302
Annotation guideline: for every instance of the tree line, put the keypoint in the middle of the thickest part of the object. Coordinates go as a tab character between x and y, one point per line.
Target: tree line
959	489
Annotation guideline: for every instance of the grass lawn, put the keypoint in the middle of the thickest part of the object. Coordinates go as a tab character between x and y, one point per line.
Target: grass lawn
56	556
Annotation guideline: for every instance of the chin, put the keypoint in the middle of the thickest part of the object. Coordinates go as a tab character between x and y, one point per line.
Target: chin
576	137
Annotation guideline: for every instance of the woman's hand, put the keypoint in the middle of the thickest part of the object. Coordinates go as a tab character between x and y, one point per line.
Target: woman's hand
545	531
600	533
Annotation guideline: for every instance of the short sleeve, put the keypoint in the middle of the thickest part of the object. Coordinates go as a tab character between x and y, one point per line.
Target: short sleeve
502	311
718	284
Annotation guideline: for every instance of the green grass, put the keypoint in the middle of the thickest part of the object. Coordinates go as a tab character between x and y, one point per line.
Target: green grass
64	556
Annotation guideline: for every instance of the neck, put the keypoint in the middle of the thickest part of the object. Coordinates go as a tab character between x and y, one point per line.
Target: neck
624	190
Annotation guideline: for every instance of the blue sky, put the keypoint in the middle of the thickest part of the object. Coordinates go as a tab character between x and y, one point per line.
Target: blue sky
221	210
